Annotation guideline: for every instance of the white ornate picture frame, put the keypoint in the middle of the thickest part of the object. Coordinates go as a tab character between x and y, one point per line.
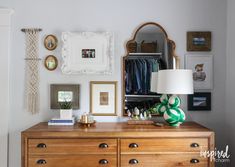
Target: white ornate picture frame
87	53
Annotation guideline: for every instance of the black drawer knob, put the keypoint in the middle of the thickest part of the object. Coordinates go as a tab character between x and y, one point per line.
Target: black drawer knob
103	161
133	145
194	161
133	161
103	145
41	145
41	161
194	145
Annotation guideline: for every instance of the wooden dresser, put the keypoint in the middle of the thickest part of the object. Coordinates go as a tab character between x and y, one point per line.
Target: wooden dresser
116	145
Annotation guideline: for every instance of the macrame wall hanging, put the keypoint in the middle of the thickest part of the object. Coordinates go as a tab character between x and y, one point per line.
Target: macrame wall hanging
32	69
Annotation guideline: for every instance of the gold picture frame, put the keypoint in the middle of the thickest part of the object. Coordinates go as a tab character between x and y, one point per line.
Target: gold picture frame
51	63
103	98
199	41
50	42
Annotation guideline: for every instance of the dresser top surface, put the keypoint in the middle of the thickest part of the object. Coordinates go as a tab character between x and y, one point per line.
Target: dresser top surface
118	130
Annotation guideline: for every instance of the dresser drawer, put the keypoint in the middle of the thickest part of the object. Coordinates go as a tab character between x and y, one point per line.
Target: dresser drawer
74	161
167	160
163	145
72	146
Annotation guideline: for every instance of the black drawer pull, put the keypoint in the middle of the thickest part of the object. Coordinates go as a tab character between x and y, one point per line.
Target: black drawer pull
41	145
133	145
133	161
194	161
41	161
103	145
103	161
194	145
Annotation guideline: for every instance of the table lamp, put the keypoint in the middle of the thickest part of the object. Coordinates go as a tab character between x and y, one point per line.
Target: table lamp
170	83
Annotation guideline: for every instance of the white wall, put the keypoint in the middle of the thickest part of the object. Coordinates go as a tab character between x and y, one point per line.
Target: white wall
5	20
230	80
120	17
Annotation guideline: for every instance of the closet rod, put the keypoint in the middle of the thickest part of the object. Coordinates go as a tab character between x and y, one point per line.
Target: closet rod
144	57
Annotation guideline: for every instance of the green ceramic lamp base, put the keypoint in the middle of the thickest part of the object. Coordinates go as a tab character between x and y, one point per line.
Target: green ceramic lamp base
169	109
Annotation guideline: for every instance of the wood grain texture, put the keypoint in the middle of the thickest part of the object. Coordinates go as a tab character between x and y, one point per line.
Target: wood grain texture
162	160
113	130
76	145
72	146
173	145
74	161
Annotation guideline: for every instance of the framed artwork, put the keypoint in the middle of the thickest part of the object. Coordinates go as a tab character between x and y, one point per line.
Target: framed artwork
64	92
199	41
51	62
50	42
199	101
87	53
103	98
202	67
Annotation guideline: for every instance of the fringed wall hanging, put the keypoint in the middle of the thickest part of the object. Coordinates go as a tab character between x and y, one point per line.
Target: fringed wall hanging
32	69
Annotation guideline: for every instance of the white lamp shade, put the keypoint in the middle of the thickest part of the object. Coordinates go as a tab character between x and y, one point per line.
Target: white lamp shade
177	81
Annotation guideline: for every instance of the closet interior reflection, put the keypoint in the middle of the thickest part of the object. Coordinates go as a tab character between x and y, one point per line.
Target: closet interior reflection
148	51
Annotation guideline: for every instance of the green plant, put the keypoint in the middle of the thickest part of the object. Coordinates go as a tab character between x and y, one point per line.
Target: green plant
65	105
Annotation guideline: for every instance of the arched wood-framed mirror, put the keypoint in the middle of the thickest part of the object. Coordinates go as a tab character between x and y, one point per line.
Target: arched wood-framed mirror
148	51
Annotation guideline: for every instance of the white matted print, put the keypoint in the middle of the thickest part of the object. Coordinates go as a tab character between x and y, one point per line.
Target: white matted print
103	98
87	53
202	67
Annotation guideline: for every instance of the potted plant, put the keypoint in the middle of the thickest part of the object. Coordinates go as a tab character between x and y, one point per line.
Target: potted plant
66	111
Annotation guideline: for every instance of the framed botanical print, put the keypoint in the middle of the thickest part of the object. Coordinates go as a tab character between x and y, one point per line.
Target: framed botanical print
199	41
103	98
199	101
202	67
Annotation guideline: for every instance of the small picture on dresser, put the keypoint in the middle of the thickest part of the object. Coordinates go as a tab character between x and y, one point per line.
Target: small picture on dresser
199	101
103	98
64	93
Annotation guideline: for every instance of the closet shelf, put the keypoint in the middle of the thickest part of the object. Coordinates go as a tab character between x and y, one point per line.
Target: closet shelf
148	54
143	96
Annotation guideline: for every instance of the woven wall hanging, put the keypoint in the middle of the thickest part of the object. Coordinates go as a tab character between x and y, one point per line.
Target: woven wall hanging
32	69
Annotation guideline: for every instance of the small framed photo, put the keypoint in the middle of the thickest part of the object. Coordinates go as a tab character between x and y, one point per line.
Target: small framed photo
199	101
199	41
51	62
64	92
202	67
88	53
103	98
50	42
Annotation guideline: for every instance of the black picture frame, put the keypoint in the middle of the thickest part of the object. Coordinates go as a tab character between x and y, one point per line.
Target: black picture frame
199	101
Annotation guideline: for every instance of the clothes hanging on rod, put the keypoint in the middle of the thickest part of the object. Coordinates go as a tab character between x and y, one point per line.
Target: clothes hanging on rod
138	75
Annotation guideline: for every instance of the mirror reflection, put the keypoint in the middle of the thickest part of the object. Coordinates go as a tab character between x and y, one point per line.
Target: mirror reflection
149	51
